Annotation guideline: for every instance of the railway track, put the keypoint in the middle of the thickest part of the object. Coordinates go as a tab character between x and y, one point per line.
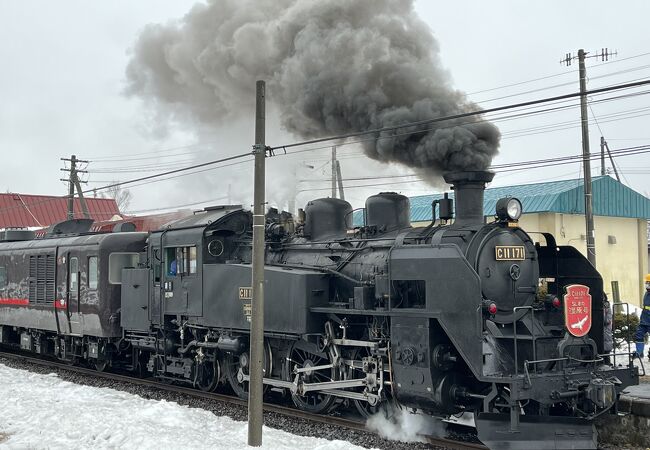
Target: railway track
348	423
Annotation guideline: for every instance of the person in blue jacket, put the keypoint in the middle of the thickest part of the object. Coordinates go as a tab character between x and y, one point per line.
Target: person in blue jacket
644	322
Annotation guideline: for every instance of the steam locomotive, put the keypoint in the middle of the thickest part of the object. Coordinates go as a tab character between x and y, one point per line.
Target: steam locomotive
461	316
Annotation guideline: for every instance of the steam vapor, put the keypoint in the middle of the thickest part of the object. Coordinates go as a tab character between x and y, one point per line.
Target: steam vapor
331	67
406	426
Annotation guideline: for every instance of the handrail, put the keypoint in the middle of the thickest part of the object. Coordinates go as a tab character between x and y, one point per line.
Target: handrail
629	354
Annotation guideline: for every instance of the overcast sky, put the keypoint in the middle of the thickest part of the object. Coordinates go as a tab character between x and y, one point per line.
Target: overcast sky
62	82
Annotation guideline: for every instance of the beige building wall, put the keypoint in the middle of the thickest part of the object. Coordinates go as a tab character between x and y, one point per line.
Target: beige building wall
621	245
625	261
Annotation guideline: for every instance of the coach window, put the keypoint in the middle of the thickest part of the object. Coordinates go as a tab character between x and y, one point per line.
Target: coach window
119	261
74	273
3	277
92	272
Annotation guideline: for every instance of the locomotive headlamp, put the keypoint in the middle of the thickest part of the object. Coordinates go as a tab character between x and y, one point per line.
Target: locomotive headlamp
509	208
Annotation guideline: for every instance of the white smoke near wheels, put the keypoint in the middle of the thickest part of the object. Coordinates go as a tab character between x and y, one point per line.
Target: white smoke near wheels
331	66
406	426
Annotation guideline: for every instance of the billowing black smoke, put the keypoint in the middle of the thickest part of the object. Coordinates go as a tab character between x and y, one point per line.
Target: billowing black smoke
331	67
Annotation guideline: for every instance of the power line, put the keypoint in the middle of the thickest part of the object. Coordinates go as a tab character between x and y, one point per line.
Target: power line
488	119
508	167
462	115
170	172
150	178
134	156
555	75
365	133
569	83
149	181
162	208
501	168
161	152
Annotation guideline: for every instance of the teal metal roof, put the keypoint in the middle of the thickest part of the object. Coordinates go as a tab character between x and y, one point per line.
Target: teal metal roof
610	198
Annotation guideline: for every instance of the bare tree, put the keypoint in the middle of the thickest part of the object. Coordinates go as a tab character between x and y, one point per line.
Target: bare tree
121	196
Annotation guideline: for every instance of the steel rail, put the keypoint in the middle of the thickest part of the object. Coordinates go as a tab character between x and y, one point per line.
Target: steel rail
350	424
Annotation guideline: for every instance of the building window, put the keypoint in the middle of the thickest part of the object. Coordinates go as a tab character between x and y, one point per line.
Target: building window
180	260
3	277
93	274
73	280
119	261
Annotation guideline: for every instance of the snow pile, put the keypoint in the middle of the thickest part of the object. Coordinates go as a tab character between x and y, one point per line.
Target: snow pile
42	411
622	358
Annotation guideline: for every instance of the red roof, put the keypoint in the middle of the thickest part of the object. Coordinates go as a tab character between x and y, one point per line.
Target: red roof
151	222
24	210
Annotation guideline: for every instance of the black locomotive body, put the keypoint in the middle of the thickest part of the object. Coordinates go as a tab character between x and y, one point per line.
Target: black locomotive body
446	319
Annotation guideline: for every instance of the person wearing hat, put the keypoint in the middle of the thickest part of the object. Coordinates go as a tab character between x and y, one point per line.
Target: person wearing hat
644	322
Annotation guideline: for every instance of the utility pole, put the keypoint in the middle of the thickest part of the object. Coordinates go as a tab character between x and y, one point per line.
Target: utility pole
589	213
586	162
75	183
334	172
612	161
340	180
255	384
602	156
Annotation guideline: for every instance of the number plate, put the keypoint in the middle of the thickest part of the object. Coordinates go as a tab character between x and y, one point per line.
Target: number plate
510	252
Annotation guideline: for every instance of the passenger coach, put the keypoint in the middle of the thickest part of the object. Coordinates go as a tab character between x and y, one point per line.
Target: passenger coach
60	294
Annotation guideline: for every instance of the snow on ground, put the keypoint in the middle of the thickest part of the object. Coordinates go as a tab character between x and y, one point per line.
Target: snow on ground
44	412
622	357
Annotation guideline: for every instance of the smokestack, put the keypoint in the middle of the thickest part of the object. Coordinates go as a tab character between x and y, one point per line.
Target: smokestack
469	188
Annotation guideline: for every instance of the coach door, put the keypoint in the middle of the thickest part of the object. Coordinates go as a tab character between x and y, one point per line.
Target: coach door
156	271
72	294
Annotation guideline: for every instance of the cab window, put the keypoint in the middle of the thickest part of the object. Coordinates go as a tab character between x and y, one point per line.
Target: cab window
171	263
3	277
156	273
180	261
117	262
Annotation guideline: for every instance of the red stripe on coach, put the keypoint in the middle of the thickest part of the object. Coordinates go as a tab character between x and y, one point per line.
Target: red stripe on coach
14	301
